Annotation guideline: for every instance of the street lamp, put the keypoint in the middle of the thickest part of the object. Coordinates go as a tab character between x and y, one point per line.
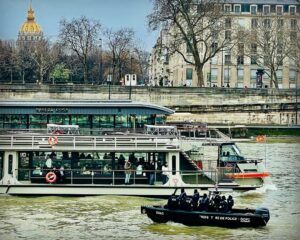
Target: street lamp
109	82
130	77
100	62
210	62
296	100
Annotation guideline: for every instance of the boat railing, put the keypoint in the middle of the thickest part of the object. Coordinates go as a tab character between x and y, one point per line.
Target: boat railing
92	142
107	176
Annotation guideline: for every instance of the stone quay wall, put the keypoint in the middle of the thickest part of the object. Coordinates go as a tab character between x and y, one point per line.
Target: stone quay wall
210	105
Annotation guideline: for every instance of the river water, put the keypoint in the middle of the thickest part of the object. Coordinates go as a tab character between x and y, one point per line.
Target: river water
106	217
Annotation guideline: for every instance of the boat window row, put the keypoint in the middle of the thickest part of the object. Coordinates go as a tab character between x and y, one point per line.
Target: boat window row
34	166
35	121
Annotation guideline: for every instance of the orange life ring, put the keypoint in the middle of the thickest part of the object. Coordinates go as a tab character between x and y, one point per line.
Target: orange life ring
50	177
53	140
260	138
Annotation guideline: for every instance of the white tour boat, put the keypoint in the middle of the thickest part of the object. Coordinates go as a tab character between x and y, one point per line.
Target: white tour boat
66	163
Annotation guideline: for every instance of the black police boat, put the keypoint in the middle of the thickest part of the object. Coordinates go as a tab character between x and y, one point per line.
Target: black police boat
193	216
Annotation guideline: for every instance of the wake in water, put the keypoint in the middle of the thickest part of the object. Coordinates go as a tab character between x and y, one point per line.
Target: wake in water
268	186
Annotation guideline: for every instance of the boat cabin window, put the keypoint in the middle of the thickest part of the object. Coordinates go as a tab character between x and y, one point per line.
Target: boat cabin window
10	164
83	164
173	165
23	170
230	152
1	164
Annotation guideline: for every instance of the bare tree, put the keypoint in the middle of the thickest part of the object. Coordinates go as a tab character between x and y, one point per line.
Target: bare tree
295	46
8	60
119	44
44	56
268	45
142	58
196	24
24	61
80	36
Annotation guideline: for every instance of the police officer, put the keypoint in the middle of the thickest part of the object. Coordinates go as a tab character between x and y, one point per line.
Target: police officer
182	196
230	203
195	198
216	201
223	205
204	203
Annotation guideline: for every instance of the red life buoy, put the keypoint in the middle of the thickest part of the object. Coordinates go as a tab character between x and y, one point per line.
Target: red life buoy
50	177
53	140
261	138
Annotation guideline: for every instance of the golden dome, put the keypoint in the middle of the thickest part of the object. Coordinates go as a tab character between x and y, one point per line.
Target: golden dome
30	26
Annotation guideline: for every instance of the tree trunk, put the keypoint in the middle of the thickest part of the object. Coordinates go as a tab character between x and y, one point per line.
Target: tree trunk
199	70
41	75
85	74
275	80
23	76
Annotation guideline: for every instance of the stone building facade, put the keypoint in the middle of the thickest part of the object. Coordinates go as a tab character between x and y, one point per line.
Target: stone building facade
226	68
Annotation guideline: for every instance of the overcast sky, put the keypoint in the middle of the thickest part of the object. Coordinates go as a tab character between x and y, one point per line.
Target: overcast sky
111	14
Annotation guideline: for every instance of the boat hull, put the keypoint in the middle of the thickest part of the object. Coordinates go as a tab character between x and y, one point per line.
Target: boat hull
94	189
244	218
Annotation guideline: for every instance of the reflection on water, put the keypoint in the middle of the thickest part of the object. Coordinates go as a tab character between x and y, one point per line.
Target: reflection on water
119	217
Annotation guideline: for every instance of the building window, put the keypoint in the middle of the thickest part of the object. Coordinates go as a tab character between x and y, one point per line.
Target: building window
279	75
189	74
214	75
226	75
253	48
266	9
253	9
214	34
253	75
279	10
293	24
240	76
253	59
214	47
280	23
227	8
292	75
267	23
227	59
292	10
240	60
228	22
237	9
254	23
228	35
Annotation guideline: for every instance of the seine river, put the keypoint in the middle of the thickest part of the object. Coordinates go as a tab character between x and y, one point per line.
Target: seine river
105	217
